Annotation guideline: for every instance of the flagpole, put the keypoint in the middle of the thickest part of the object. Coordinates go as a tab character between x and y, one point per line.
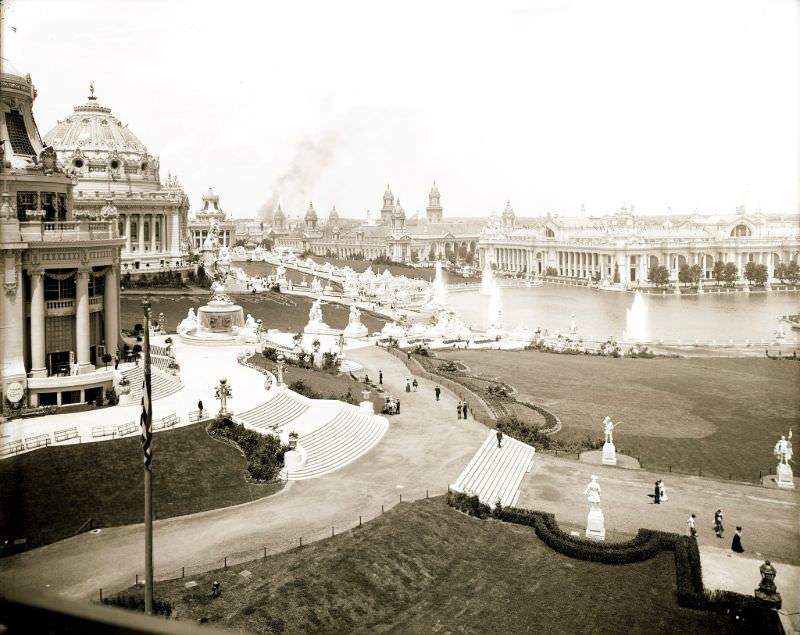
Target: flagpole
147	427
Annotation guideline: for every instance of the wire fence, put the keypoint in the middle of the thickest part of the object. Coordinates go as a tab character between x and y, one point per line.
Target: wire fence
283	541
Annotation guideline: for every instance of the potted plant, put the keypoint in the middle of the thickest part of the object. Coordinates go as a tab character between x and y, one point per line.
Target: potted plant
124	386
107	359
315	345
293	437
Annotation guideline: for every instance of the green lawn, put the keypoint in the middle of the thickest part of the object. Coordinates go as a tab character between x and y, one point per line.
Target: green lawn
424	568
50	493
719	415
278	311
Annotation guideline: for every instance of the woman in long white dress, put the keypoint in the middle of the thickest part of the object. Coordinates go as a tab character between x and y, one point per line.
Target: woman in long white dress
662	491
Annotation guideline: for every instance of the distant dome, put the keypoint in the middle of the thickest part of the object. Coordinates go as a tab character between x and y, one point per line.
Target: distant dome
334	215
398	211
387	195
92	130
667	224
211	196
311	214
279	215
508	212
434	190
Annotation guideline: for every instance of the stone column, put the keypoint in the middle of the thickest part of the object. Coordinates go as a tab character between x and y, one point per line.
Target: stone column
141	234
127	233
38	312
111	311
153	218
82	328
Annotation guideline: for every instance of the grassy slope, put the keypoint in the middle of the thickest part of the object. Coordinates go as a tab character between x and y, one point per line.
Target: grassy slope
424	567
721	414
278	311
53	491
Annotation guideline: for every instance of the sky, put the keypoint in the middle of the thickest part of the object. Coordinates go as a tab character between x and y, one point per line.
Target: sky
551	104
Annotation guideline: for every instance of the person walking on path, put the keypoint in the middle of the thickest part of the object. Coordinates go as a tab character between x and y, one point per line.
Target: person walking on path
408	384
458	409
736	545
657	498
464	409
380	376
662	491
438	392
718	528
200	408
499	439
414	384
692	527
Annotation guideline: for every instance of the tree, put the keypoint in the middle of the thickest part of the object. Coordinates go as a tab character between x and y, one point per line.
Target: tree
685	274
696	273
756	274
106	359
719	271
730	273
658	275
787	271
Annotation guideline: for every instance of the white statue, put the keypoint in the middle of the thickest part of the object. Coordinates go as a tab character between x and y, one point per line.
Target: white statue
315	312
592	492
355	316
783	449
191	316
189	322
608	428
250	322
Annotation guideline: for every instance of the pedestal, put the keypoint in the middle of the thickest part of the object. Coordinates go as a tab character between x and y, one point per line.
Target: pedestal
596	524
609	454
292	460
367	406
784	477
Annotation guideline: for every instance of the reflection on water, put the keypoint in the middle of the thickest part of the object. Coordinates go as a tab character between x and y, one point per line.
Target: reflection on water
736	316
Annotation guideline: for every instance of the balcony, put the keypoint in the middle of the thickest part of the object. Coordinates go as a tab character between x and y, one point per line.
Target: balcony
68	231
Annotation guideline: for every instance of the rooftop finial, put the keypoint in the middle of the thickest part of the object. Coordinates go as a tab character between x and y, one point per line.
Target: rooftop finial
91	91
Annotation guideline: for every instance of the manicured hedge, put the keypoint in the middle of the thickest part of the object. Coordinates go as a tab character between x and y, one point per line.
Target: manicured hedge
647	544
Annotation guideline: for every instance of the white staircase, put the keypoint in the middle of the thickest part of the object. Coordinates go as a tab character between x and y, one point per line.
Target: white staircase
496	473
282	409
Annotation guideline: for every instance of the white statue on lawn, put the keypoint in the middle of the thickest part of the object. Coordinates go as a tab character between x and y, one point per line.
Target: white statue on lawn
608	428
592	492
315	312
355	316
189	322
783	452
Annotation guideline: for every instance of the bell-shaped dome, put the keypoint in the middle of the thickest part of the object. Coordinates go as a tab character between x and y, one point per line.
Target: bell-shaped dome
211	196
279	215
311	214
398	211
334	215
508	212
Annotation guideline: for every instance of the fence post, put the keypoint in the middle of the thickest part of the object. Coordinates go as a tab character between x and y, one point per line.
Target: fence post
101	595
359	520
401	498
331	531
670	467
301	541
183	572
265	552
137	579
381	508
226	562
426	493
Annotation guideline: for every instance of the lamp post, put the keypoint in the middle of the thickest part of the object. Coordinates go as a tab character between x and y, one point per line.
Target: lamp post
223	392
280	363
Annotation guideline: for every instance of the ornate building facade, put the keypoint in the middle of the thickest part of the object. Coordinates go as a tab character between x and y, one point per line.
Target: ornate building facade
394	236
622	247
111	162
211	213
59	305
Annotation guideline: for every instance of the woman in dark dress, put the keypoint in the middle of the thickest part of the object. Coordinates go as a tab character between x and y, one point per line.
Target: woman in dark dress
736	545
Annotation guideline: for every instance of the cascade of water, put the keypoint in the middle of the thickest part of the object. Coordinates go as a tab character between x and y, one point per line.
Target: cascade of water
487	279
439	288
495	315
636	320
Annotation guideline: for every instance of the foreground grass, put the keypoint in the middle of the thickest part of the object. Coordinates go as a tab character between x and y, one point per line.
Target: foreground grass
50	493
423	567
719	415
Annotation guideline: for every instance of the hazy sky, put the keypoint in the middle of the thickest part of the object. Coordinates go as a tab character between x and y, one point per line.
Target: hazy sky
548	103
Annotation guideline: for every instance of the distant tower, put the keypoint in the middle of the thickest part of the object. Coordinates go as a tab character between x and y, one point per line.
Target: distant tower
311	217
388	206
434	209
508	216
279	218
398	217
333	217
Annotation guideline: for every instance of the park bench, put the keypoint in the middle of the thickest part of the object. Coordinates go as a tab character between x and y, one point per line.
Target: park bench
11	448
166	422
194	416
127	428
103	431
66	435
36	442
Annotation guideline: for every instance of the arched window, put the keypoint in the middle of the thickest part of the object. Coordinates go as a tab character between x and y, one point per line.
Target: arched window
549	233
740	230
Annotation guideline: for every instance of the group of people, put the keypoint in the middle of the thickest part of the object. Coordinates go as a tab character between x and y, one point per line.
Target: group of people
719	529
463	409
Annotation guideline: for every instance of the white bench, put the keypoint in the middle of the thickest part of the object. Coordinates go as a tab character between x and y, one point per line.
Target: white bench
66	435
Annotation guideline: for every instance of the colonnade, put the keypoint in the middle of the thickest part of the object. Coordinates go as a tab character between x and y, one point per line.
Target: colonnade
82	318
162	235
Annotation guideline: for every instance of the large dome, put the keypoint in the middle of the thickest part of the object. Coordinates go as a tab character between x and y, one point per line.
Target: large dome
95	143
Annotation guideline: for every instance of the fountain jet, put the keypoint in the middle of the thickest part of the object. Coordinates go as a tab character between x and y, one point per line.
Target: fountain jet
487	279
636	320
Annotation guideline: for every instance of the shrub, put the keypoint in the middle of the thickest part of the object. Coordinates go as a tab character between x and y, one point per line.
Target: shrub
468	504
301	387
448	367
263	452
136	603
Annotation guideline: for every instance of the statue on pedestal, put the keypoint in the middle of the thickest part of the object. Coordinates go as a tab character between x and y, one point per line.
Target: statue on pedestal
608	429
783	449
595	522
315	312
592	492
783	452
